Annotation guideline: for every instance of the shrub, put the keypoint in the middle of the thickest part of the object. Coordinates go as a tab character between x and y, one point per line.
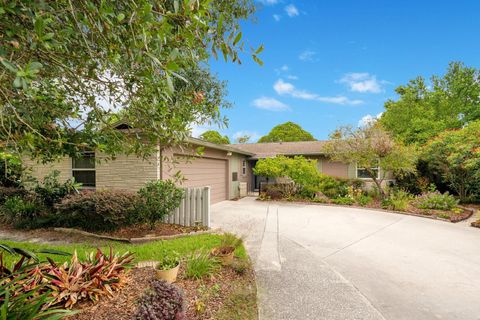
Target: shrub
51	191
157	200
168	261
436	200
333	188
343	201
20	212
199	265
276	191
8	192
97	211
397	200
163	301
364	200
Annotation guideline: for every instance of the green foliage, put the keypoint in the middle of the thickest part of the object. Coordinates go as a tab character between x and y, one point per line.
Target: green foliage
424	111
214	137
10	170
287	132
157	200
397	200
96	210
163	301
52	191
230	240
169	260
18	211
436	200
455	156
8	192
364	200
332	187
303	172
61	62
343	201
199	265
371	147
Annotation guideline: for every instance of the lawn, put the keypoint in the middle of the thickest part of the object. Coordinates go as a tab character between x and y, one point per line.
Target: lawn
147	251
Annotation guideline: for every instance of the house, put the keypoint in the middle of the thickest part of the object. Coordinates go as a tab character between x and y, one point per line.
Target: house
222	167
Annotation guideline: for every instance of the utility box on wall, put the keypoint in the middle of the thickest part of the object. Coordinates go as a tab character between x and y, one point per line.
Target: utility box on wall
242	189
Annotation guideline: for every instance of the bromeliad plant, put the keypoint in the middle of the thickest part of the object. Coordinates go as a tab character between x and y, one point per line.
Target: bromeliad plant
66	284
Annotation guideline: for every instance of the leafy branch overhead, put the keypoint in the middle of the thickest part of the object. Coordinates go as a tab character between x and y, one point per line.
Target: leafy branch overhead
67	67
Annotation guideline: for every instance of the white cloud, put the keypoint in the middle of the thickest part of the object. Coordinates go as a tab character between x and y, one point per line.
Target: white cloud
269	2
253	135
307	55
291	10
277	17
368	120
362	82
284	68
271	104
287	89
292	77
197	130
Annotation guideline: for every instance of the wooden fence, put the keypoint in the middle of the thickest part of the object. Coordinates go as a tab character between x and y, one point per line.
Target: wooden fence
194	209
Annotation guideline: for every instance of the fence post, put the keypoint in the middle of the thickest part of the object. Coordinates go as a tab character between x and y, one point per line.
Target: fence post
206	205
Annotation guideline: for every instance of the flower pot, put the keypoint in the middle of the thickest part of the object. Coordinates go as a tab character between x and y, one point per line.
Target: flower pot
169	275
225	255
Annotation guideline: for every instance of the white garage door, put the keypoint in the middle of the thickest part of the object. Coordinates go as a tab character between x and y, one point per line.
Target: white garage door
201	172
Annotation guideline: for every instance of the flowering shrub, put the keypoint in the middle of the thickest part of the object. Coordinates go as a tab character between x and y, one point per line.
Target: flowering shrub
163	301
436	200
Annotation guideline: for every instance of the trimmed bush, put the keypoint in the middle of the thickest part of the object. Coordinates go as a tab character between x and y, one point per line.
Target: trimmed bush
97	211
436	200
157	200
333	188
163	301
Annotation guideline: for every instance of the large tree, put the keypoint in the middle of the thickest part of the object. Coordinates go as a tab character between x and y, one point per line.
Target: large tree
424	109
371	147
455	156
214	137
286	132
67	66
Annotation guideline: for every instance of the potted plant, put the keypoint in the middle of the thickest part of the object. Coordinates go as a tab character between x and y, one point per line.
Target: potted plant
225	251
167	268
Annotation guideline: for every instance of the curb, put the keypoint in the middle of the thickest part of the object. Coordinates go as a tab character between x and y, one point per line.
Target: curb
133	240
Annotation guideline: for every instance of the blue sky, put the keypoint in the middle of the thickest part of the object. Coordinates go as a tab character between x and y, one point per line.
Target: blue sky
334	62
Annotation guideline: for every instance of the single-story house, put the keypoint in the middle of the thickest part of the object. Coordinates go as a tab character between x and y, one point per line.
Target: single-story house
222	167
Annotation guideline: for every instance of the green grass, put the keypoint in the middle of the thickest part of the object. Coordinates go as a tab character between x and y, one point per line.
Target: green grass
148	251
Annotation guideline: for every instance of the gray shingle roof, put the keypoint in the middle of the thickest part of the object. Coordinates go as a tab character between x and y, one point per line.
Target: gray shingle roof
271	149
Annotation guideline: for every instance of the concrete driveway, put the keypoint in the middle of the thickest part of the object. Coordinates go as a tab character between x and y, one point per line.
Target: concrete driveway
321	262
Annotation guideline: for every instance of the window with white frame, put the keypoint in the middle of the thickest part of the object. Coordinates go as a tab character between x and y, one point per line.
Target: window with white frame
83	169
244	167
363	173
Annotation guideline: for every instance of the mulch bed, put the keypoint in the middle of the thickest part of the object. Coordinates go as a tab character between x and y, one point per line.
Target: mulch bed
204	297
411	210
143	230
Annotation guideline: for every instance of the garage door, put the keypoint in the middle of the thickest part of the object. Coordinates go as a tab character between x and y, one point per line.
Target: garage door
201	172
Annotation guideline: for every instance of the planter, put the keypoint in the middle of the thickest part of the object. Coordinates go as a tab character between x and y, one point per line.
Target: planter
225	255
169	275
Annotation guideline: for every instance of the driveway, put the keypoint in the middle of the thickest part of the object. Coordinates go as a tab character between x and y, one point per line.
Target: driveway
321	262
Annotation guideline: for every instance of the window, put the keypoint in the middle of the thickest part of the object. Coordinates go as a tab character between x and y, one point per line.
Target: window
363	174
234	176
83	169
244	167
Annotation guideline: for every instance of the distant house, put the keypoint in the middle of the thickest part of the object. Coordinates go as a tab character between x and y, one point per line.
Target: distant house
222	167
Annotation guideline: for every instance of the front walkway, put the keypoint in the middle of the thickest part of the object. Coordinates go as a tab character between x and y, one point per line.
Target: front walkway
319	262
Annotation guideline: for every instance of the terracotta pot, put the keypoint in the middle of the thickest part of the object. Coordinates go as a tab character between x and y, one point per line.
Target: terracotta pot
169	275
226	259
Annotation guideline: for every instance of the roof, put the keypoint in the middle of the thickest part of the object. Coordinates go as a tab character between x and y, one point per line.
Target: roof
271	149
225	147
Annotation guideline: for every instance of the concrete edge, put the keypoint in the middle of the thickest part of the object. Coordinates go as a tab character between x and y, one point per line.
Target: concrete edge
133	240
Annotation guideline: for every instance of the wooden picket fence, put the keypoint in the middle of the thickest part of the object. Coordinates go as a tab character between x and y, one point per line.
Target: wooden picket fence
194	209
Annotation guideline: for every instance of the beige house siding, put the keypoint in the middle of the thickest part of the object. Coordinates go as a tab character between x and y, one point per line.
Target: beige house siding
125	172
40	170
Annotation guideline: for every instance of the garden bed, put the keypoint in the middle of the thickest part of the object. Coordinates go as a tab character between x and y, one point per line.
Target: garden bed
444	215
143	230
226	295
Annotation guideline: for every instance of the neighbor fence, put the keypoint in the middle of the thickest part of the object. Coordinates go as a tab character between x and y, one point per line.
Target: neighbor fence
194	209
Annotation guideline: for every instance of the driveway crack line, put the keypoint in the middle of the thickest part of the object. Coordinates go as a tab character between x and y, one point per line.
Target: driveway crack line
361	239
